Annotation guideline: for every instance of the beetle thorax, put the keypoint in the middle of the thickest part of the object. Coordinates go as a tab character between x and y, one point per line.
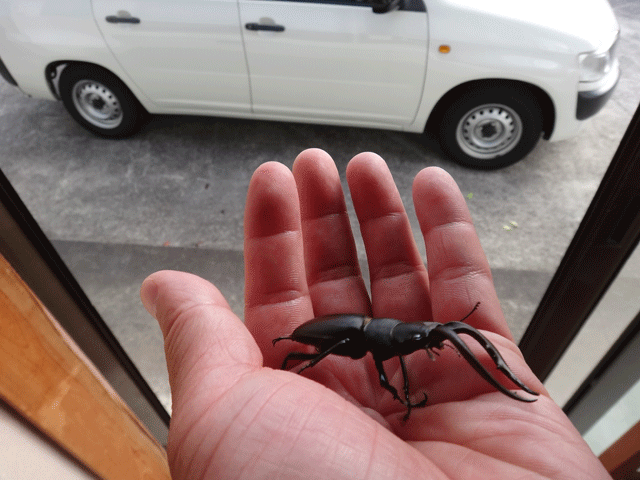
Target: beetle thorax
409	337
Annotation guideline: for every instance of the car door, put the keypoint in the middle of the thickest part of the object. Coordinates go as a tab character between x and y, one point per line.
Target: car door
184	55
335	60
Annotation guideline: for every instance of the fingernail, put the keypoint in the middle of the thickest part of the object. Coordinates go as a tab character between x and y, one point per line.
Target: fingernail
149	295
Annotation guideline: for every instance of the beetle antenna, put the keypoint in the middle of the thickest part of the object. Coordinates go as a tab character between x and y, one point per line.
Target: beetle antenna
432	353
475	307
445	344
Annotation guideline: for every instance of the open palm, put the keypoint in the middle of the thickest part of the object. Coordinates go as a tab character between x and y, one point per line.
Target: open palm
236	416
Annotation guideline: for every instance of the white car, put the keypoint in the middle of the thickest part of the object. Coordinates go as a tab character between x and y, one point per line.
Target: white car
489	77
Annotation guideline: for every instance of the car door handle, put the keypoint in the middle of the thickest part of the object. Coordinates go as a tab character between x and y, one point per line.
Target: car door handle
264	26
115	19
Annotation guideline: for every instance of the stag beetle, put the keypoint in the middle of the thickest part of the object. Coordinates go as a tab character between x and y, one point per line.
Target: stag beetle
351	335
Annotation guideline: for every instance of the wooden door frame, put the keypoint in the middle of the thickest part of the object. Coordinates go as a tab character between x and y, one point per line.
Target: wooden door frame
31	254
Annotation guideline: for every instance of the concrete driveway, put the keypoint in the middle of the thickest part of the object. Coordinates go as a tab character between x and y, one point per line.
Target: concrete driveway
173	196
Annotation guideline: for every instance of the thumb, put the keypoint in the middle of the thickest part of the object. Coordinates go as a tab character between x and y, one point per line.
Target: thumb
208	349
201	333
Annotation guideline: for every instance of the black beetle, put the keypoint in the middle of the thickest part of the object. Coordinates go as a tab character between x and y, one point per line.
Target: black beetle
351	335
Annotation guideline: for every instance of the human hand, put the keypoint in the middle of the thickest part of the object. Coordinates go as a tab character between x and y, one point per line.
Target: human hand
235	415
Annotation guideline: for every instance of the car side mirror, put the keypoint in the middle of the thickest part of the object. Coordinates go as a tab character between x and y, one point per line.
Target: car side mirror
384	6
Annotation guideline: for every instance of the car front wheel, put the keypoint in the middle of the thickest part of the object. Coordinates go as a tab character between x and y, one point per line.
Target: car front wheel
100	102
491	128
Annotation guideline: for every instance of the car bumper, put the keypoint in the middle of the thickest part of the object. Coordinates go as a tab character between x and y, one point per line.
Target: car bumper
4	73
591	101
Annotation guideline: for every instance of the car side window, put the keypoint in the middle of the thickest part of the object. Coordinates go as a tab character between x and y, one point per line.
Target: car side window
405	5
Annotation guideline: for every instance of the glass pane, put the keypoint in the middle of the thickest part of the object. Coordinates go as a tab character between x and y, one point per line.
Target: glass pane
619	305
623	415
173	196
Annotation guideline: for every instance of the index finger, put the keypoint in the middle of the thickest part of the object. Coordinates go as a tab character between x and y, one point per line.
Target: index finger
459	273
276	293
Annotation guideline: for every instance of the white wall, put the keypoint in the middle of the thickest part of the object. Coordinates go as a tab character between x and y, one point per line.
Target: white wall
25	454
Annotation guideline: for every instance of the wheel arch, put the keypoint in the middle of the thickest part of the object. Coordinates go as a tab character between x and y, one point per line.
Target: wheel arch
546	104
53	72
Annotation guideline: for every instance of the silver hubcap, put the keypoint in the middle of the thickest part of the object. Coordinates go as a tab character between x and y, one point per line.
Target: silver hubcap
489	131
97	104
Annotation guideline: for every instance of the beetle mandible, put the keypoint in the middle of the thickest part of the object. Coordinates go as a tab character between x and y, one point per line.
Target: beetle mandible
351	335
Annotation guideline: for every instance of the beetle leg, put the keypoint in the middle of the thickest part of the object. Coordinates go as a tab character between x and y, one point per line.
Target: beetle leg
276	340
297	356
406	391
316	357
451	330
384	382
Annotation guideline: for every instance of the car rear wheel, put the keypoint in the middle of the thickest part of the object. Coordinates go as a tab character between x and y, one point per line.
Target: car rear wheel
492	127
100	102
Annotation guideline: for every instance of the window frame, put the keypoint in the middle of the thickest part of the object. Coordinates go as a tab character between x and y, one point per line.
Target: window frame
608	234
26	247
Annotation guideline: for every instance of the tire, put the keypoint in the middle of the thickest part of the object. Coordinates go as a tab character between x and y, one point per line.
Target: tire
490	128
100	102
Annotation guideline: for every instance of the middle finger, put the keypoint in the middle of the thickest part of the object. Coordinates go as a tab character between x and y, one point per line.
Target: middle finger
399	279
331	261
